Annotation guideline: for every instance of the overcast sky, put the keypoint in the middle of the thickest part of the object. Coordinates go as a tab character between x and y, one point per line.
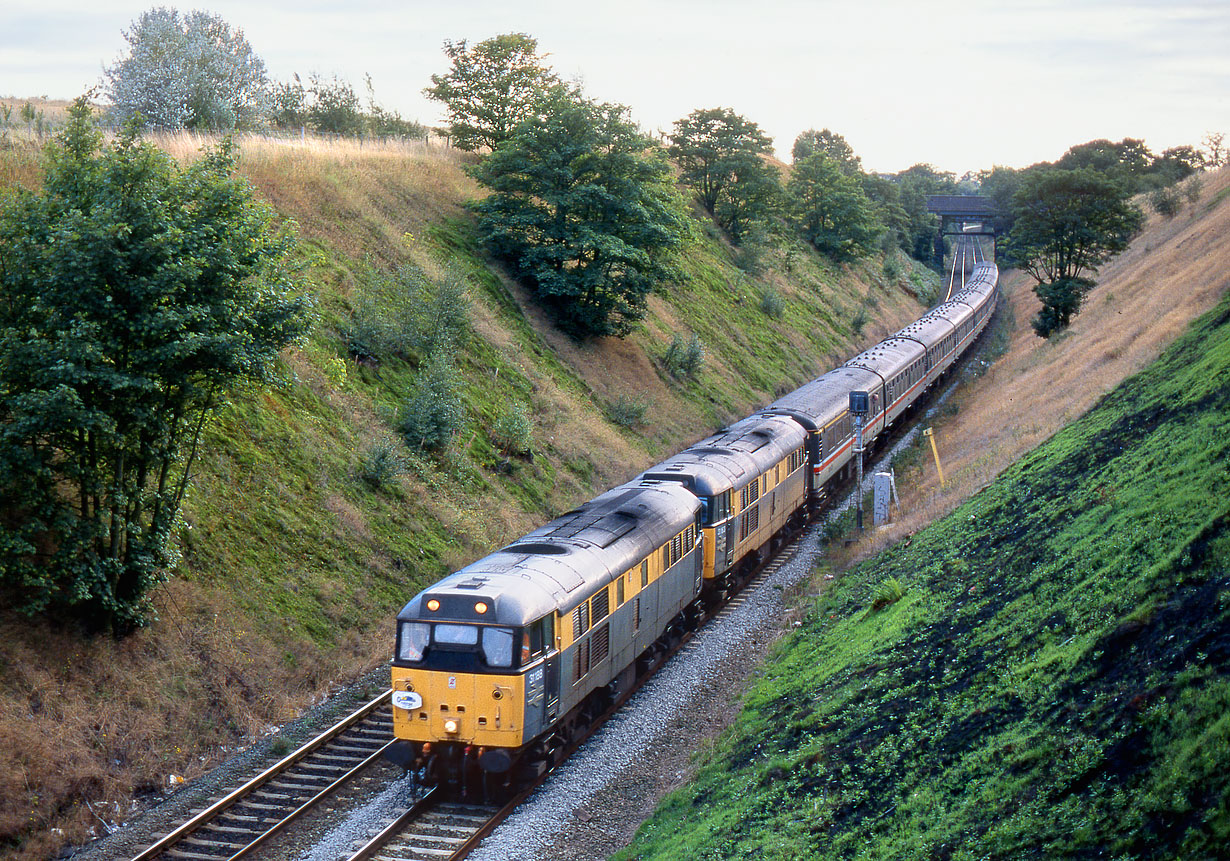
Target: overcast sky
962	86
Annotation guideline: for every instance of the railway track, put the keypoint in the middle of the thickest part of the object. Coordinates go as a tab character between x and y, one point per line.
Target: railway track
246	818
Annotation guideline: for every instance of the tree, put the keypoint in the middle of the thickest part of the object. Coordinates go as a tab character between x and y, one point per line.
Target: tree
917	183
584	211
334	107
1067	224
491	87
188	72
829	142
133	296
831	210
1215	145
721	155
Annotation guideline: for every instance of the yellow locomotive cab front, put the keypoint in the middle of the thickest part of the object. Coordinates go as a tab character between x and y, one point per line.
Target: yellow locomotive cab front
477	709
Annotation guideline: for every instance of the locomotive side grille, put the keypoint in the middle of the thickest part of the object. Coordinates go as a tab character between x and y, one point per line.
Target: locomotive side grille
600	645
580	620
581	663
602	606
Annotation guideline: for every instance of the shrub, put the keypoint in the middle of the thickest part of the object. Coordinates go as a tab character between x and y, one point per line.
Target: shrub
627	412
889	591
892	270
684	358
511	430
381	463
772	303
1192	188
444	320
434	412
1166	202
859	321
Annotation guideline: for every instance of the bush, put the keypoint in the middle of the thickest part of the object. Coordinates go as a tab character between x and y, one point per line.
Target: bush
1192	188
434	412
888	592
403	314
772	303
627	412
382	463
512	429
892	270
1166	202
859	321
684	358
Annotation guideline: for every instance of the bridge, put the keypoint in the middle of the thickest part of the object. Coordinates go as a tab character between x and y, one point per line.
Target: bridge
965	215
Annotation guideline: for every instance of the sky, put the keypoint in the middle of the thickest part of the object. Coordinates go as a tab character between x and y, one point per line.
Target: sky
961	86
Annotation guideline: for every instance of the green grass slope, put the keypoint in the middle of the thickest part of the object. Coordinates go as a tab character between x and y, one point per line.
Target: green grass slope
1044	673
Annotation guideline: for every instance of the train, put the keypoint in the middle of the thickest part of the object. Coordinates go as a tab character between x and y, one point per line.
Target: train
499	666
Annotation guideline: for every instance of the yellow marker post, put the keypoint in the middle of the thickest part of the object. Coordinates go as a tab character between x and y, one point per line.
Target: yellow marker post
931	436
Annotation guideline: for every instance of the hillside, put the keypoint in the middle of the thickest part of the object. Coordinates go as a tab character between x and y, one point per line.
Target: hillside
292	564
1044	671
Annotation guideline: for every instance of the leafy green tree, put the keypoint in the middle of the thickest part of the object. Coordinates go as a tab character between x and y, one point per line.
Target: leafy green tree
583	209
192	71
491	88
1067	224
133	296
829	142
721	156
830	209
334	107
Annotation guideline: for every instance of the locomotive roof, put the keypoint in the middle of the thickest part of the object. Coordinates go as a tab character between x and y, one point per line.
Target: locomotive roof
732	458
562	562
817	403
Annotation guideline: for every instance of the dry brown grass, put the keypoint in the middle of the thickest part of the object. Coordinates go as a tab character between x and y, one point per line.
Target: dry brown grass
87	721
1174	271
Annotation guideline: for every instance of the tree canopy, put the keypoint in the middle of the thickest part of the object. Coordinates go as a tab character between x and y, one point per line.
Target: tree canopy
830	208
190	71
829	142
1067	224
584	210
720	154
491	88
133	295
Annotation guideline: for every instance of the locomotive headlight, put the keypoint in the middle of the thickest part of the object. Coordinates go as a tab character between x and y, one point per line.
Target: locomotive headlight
480	608
450	726
433	605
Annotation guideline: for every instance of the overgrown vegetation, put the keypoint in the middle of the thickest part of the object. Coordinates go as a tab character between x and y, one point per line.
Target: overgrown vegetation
1051	679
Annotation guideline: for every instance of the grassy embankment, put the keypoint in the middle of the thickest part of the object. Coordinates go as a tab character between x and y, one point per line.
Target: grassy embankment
1045	672
293	565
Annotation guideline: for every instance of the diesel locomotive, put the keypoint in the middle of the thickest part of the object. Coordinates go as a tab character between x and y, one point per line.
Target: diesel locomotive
499	665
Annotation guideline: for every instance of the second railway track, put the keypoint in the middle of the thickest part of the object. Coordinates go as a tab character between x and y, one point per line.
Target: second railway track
245	819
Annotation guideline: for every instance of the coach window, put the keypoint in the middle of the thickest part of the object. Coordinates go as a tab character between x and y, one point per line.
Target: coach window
498	646
644	573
